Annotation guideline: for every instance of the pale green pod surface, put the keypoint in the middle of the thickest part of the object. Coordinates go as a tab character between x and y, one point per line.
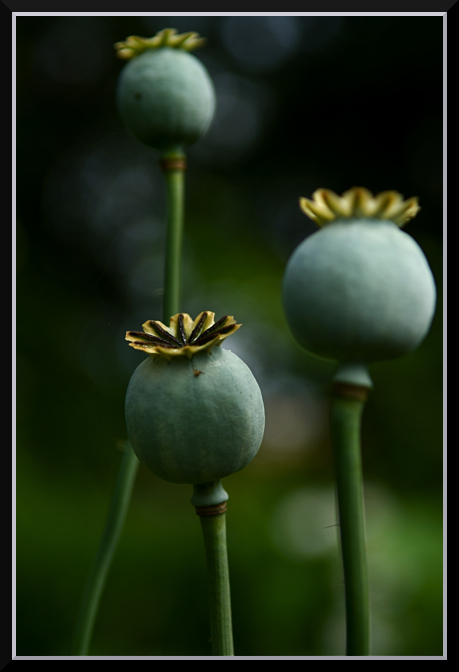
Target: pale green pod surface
359	290
166	98
195	420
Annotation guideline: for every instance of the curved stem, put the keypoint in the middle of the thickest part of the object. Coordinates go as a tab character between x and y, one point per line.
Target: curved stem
214	531
174	171
112	530
345	432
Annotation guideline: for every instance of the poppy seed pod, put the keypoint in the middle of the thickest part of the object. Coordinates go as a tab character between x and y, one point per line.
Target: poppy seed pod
359	289
165	95
194	412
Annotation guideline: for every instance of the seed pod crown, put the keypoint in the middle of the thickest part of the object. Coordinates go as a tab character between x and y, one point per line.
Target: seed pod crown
168	37
326	206
184	337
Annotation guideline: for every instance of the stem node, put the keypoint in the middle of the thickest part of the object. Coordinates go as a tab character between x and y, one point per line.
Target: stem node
215	510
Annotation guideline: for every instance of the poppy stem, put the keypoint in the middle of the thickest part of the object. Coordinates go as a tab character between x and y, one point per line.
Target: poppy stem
346	411
174	172
113	526
213	523
173	167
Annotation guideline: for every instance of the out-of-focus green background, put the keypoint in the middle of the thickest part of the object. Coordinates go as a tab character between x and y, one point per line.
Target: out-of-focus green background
303	103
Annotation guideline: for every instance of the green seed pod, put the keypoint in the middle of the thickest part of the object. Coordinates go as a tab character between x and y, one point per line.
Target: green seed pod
194	412
165	95
359	289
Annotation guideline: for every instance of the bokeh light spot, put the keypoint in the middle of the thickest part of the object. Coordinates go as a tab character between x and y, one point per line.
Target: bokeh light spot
261	43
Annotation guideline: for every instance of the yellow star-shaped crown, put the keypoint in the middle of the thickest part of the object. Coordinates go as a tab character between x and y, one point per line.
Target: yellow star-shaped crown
184	337
326	206
135	45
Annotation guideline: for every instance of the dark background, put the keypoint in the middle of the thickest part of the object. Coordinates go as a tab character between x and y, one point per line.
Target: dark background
302	103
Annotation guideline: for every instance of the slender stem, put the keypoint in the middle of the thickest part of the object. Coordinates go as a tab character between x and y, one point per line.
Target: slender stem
214	531
173	166
345	431
112	530
175	180
213	520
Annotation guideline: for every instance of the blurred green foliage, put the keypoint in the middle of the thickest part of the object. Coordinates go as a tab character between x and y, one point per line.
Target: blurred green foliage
303	103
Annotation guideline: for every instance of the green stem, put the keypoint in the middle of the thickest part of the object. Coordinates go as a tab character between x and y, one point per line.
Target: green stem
213	525
123	488
210	502
214	531
175	180
112	530
345	432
